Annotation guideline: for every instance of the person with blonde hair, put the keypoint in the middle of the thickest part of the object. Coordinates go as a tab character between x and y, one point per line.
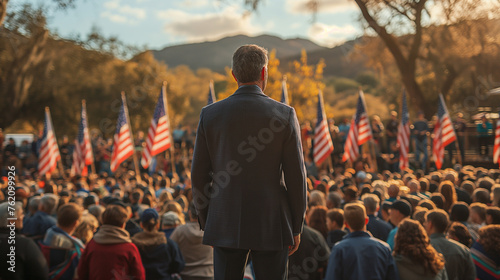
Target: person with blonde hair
414	255
447	189
87	227
359	255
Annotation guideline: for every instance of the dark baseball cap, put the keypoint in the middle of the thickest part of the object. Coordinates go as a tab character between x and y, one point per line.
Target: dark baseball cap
402	206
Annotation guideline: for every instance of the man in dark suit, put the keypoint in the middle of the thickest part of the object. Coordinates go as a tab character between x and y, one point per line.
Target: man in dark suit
248	175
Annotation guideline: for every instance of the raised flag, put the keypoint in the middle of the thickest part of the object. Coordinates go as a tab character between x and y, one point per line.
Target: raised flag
323	145
211	93
82	153
123	147
158	139
443	133
284	92
404	134
496	147
49	151
359	132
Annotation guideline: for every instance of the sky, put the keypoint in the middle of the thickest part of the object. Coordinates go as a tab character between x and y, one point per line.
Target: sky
160	23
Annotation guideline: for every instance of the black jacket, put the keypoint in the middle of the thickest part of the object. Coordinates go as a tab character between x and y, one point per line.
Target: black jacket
29	261
248	172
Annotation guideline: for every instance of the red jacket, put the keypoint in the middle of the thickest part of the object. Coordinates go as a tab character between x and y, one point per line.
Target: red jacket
110	261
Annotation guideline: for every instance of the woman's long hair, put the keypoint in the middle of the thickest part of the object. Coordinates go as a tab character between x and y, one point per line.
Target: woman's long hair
412	242
317	219
447	189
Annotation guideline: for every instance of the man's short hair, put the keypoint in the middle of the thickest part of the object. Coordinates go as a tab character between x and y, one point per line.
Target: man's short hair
355	216
115	215
68	214
459	212
480	209
335	199
371	202
481	195
438	218
337	216
49	203
248	61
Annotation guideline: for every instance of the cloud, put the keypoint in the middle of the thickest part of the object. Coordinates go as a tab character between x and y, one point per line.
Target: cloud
195	4
119	13
207	26
323	6
331	35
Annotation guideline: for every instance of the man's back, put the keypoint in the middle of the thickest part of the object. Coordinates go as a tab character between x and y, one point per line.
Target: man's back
458	259
247	142
198	257
378	228
360	256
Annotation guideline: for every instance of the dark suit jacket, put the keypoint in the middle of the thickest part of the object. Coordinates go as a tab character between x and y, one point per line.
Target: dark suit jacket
248	172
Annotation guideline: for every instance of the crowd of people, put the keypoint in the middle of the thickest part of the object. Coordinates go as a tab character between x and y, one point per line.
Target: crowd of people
359	224
382	152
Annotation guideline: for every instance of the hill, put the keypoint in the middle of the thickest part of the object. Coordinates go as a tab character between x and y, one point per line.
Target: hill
217	54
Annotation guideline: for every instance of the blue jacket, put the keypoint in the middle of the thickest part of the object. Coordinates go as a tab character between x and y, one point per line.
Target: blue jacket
361	256
38	225
378	228
160	256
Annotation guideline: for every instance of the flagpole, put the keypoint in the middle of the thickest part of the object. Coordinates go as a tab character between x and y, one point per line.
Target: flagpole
134	156
172	145
92	165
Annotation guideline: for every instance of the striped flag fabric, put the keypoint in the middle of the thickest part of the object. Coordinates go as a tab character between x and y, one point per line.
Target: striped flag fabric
158	139
82	153
359	132
123	146
444	134
211	93
323	145
403	137
49	151
496	147
284	92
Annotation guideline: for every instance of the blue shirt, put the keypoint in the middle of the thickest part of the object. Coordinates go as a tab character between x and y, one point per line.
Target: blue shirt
361	256
392	235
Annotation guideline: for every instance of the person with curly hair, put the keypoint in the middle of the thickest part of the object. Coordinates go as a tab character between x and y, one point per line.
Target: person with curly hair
460	233
414	255
486	253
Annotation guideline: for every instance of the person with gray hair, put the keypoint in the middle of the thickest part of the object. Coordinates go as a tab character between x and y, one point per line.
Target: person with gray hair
42	220
377	227
33	205
248	175
27	258
333	200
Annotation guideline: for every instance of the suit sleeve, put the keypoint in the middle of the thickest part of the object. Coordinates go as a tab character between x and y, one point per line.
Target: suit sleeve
200	174
38	267
295	173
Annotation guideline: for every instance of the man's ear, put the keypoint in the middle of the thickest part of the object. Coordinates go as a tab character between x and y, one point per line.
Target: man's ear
366	220
263	73
232	73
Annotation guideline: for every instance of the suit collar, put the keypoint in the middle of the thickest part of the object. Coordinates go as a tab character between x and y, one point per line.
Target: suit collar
250	89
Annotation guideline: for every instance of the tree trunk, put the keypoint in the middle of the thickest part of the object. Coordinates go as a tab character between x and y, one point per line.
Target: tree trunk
3	10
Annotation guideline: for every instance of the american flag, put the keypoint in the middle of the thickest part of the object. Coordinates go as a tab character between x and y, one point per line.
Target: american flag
211	94
284	92
443	133
496	147
123	147
404	134
359	132
82	154
159	132
323	145
49	151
